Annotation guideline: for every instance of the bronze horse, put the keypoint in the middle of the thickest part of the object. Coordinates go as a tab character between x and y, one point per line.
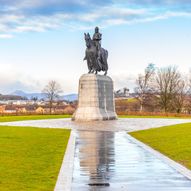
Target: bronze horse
96	60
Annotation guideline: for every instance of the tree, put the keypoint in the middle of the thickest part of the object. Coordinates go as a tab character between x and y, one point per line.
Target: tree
187	100
144	85
179	98
35	98
51	92
168	81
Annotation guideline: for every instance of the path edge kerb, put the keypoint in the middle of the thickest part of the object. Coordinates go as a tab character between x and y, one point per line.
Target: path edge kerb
64	180
175	165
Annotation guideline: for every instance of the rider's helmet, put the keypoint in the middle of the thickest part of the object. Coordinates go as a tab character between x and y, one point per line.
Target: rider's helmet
96	29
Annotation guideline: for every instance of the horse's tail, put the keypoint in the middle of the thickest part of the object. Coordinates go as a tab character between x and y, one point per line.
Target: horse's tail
106	52
105	57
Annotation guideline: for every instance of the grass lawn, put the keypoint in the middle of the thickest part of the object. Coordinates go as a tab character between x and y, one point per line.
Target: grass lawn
31	117
38	117
132	100
173	141
30	158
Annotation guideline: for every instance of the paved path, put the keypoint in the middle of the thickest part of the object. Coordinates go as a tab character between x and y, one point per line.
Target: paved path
107	159
126	124
112	161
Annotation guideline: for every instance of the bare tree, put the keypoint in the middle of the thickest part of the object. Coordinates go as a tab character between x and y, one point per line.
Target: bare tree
51	92
179	98
189	81
168	81
144	85
187	101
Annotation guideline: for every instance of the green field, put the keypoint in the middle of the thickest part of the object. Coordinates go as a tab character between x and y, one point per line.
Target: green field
173	141
30	158
31	117
39	117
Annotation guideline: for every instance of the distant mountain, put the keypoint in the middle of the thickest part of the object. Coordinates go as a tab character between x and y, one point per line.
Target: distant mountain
28	95
10	97
68	97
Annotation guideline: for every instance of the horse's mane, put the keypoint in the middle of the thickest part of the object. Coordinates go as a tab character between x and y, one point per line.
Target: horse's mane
89	38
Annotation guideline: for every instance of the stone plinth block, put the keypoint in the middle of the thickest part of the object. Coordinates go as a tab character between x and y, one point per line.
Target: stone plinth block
95	99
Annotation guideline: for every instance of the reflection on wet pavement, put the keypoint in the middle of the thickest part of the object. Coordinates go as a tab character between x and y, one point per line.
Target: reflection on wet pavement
106	161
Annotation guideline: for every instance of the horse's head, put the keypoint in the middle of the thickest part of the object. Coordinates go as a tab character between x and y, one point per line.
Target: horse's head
88	40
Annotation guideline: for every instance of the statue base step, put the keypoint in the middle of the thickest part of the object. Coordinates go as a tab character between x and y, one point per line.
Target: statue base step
96	99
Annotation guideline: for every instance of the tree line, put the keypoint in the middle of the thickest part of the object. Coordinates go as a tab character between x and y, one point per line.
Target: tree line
163	89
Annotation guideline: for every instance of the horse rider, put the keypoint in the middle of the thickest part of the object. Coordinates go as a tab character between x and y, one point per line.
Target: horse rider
97	41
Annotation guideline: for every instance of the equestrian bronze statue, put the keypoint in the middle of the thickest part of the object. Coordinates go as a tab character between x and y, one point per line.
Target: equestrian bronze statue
95	55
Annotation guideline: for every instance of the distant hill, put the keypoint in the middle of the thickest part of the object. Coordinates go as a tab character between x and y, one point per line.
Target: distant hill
10	97
68	97
27	95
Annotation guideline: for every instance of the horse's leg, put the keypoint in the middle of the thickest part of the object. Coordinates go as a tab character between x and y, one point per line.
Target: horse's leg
96	72
88	64
105	73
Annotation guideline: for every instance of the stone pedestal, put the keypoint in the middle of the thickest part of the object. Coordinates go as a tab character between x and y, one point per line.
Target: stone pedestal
96	99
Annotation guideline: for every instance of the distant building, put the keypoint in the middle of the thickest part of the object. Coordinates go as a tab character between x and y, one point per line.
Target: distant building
10	109
2	108
21	109
40	110
32	107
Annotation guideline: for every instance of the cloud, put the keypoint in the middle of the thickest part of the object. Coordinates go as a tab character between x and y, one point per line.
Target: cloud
124	80
159	2
12	79
20	16
6	36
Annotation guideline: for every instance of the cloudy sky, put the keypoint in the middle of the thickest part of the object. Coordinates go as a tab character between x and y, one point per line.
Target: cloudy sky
41	40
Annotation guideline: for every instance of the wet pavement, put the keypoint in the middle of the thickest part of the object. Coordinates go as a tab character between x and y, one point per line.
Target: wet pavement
122	124
106	161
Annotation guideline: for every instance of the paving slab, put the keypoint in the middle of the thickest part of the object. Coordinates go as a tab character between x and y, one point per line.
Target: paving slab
122	124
